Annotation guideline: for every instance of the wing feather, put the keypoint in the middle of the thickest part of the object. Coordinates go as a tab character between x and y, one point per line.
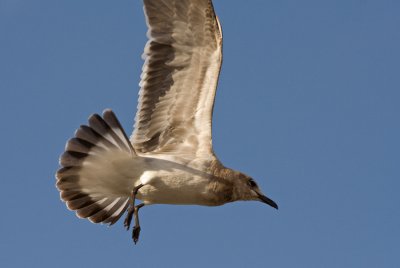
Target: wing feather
183	58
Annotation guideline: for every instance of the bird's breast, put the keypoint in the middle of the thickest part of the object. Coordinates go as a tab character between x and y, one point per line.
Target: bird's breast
178	188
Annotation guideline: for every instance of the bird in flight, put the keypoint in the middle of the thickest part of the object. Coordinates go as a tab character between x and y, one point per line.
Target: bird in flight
169	158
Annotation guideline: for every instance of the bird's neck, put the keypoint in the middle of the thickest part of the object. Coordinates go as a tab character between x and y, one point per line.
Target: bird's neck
221	185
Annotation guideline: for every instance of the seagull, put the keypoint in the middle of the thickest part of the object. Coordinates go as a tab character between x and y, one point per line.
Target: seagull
169	158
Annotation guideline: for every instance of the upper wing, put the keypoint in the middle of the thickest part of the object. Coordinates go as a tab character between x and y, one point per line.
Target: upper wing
182	63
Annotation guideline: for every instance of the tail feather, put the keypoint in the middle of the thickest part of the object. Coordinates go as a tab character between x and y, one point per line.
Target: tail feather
80	202
87	134
97	171
107	132
71	195
72	159
116	209
89	211
79	145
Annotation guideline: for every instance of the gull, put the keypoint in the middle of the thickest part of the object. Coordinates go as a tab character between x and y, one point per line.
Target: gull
169	158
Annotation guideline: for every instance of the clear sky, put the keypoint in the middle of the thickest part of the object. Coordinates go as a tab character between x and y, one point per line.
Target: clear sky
308	105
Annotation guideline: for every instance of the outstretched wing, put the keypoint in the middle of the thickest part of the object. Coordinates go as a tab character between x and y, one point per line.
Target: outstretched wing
182	63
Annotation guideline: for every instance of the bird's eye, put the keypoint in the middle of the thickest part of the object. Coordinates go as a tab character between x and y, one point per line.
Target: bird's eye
252	183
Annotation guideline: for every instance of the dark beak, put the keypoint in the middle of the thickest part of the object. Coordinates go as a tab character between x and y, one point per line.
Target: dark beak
268	201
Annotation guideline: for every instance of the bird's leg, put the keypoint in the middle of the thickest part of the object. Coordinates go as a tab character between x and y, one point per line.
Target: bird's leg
136	229
131	208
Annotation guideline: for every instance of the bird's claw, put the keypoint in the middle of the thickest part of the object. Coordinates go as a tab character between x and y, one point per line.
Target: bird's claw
135	234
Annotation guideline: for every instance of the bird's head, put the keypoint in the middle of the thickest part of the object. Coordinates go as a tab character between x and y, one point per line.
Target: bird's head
246	188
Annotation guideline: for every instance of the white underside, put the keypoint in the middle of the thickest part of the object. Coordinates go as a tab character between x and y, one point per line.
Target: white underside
173	187
168	182
165	182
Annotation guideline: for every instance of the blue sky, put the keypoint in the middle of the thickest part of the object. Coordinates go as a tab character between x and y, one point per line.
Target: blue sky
308	105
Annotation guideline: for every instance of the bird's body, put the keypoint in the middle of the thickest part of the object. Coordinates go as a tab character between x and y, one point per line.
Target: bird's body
172	183
169	158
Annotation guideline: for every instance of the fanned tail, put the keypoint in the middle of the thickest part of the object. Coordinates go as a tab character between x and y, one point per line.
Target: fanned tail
98	170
